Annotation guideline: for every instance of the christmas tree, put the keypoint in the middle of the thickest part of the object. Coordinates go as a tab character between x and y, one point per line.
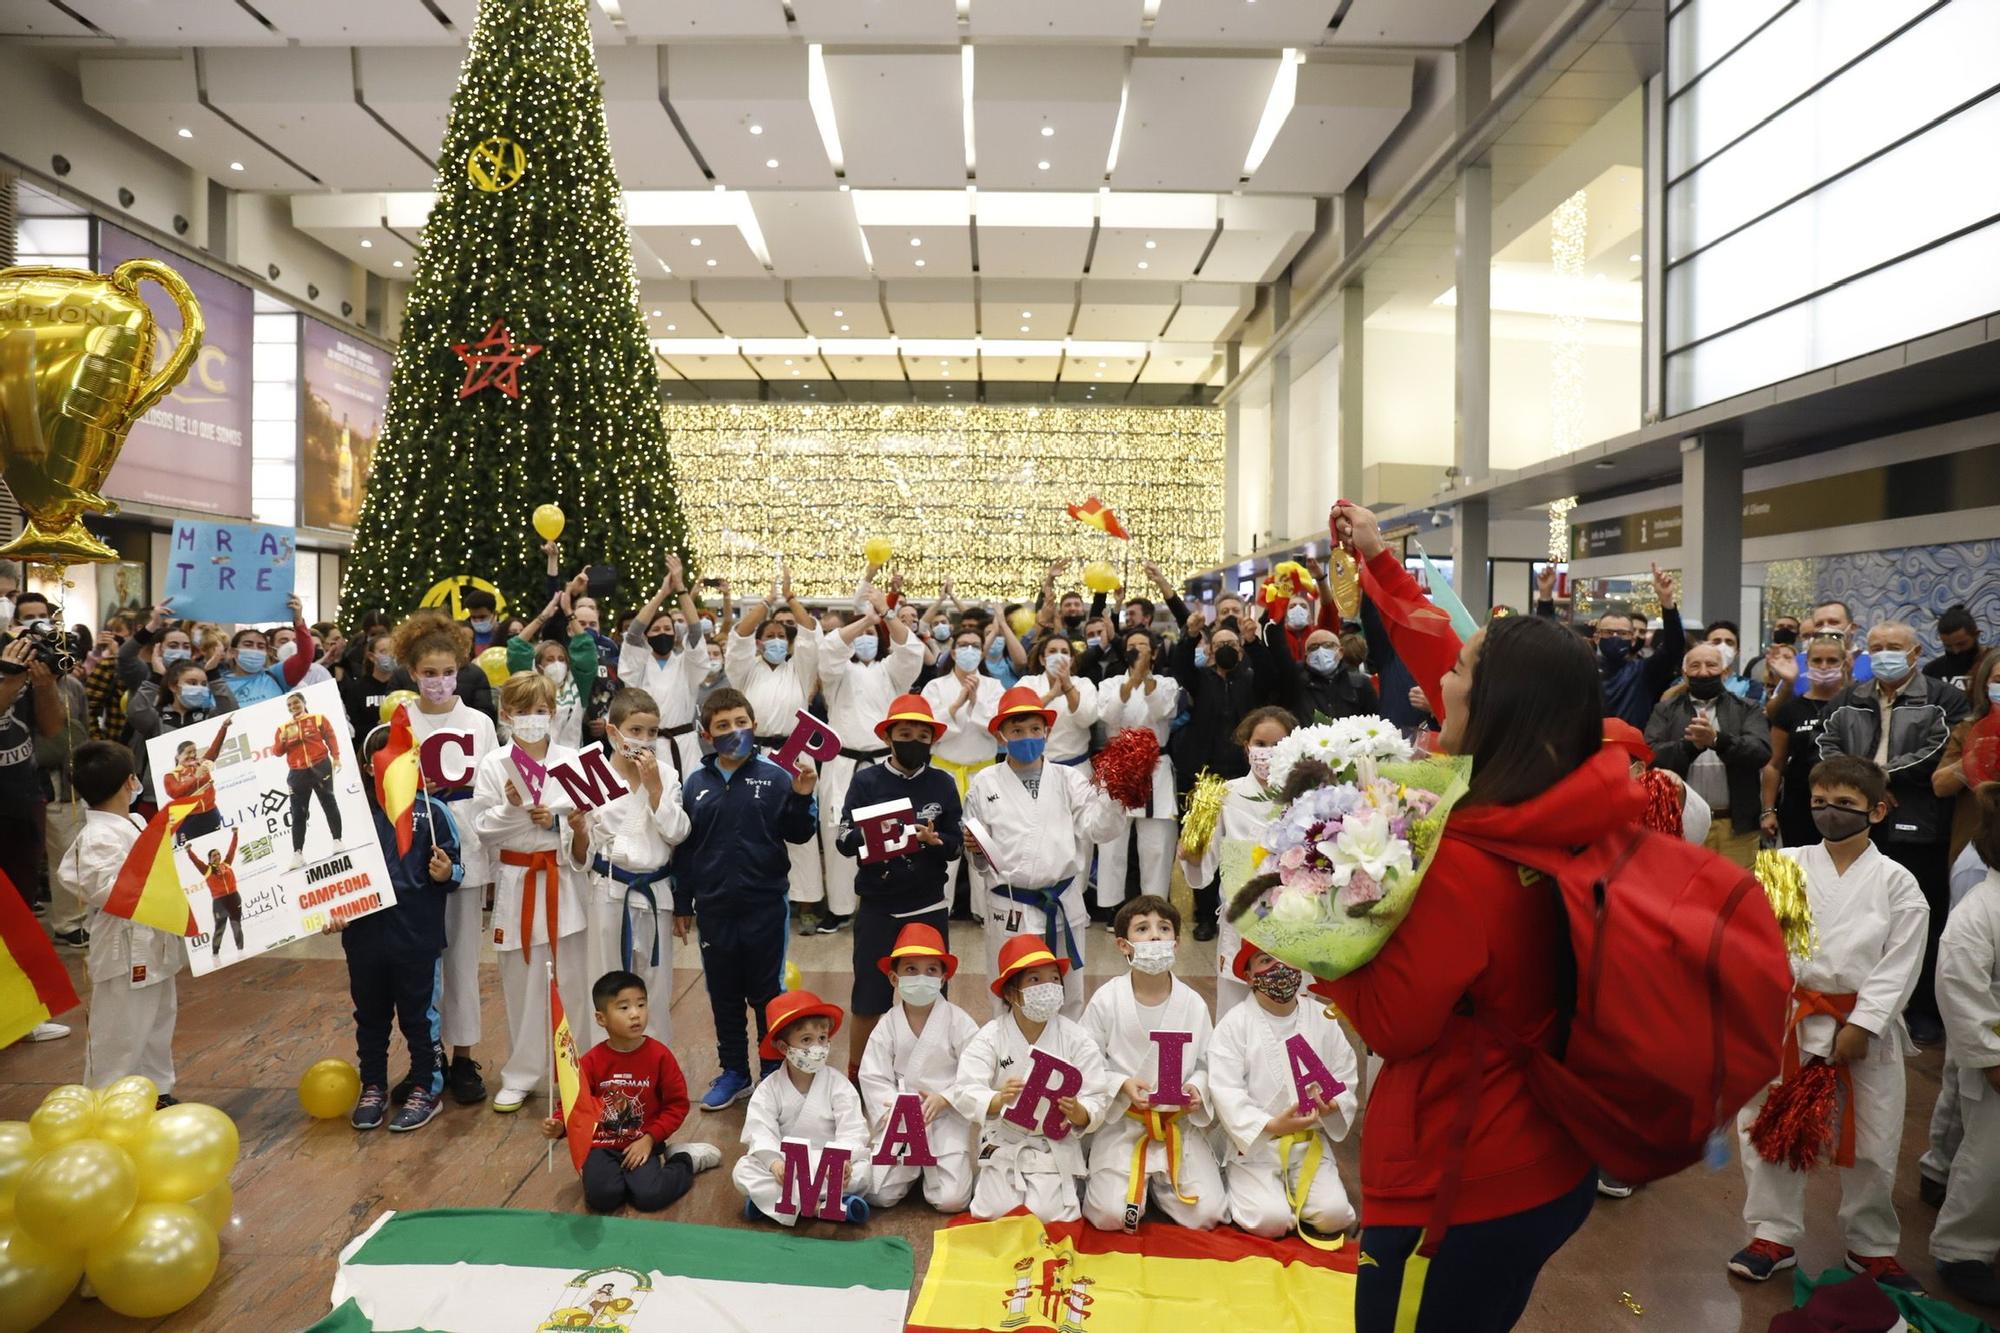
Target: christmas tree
523	375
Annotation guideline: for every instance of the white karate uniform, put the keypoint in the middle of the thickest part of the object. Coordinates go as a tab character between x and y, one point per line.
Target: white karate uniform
1069	738
1871	924
1122	1029
458	1023
1019	1167
524	982
777	695
675	685
1033	842
826	1115
132	967
1158	823
858	695
1250	1076
898	1060
631	835
1968	993
966	743
1946	1128
1248	810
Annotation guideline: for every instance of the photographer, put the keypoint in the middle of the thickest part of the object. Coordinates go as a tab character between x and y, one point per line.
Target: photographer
30	706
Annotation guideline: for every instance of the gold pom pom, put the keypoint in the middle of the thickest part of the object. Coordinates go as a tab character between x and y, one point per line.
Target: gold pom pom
1784	882
1204	808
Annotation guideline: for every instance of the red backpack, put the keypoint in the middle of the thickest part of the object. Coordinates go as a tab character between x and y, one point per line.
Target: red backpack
1682	985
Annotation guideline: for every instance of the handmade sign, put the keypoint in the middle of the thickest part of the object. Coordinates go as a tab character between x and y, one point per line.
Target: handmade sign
812	737
905	1140
1168	1089
1311	1078
887	829
231	573
588	780
1049	1081
446	757
813	1183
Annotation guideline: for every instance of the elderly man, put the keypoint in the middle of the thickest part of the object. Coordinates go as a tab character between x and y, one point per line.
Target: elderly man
1717	743
1901	719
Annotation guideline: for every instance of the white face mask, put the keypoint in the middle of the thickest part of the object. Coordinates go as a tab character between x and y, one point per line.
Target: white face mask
557	672
529	726
1057	664
1152	956
634	746
1042	1001
806	1059
6	611
287	651
920	991
1728	651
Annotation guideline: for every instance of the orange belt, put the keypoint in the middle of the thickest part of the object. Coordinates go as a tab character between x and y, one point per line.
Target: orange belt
1809	1004
540	866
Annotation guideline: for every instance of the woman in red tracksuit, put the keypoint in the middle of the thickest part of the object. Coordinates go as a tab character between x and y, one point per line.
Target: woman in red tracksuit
1457	1157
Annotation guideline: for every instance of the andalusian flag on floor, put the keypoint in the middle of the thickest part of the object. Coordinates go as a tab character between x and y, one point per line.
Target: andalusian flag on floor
148	888
34	985
508	1270
1018	1275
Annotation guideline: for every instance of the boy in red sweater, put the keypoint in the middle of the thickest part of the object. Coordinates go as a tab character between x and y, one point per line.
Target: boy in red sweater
643	1096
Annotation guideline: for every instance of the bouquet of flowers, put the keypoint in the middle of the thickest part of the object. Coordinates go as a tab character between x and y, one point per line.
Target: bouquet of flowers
1349	748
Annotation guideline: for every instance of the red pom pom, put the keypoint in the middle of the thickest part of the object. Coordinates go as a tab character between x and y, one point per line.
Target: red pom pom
1124	767
1664	802
1796	1123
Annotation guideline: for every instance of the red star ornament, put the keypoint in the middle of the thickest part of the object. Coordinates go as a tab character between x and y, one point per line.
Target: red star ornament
495	359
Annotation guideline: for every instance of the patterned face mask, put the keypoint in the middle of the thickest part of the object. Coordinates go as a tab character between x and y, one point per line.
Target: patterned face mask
1278	982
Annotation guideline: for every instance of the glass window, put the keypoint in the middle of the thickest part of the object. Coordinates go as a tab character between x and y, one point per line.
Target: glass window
274	425
1702	32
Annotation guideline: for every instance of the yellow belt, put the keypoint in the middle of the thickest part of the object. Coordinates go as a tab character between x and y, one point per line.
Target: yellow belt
1161	1127
962	773
1315	1147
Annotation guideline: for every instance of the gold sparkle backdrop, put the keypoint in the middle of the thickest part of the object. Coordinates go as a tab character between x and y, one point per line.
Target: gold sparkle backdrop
975	493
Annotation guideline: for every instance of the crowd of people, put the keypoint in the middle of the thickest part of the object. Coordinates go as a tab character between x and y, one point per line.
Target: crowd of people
979	722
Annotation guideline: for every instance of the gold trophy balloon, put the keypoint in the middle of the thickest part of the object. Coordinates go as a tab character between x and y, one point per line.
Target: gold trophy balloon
74	350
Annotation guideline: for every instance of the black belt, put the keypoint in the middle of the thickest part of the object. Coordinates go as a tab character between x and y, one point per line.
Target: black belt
682	730
862	756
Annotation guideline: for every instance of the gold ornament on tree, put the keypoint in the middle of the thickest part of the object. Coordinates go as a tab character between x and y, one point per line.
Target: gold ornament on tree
496	164
75	348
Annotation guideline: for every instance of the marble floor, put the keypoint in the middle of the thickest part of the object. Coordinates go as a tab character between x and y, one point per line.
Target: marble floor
303	1188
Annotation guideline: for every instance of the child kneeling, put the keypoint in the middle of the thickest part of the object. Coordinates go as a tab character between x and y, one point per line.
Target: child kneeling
642	1099
803	1099
916	1049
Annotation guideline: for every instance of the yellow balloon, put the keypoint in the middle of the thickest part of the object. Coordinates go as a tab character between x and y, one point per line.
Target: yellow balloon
76	1194
216	1206
792	978
329	1089
34	1279
55	1123
162	1258
72	1092
494	663
188	1150
549	522
1021	620
124	1119
877	550
137	1085
1100	577
18	1151
396	699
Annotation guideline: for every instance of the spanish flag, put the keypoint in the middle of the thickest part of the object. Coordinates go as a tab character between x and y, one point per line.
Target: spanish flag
398	778
34	986
580	1107
1093	512
148	889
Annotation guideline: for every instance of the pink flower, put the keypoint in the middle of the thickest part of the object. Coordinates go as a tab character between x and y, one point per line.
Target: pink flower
1361	894
1292	858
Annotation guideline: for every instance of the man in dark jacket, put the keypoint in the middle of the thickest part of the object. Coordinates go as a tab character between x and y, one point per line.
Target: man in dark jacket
1632	683
1717	743
1323	687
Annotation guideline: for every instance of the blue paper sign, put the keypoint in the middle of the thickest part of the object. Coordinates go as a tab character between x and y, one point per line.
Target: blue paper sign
231	573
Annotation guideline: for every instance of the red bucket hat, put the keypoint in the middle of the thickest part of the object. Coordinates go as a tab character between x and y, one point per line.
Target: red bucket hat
1022	952
1020	702
918	941
789	1008
911	708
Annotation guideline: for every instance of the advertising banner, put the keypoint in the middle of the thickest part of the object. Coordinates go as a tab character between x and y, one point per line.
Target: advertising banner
345	391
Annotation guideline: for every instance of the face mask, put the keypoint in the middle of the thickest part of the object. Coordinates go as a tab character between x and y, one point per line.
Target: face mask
911	755
169	656
995	651
1042	1001
1027	749
287	651
196	697
920	991
1614	651
436	689
1837	823
966	658
776	651
1705	688
941	632
530	727
1323	660
1824	675
1152	956
1993	692
1056	664
714	666
865	647
1728	651
1227	656
1891	664
1095	641
385	662
558	672
1277	982
6	610
1260	761
1200	657
661	644
806	1059
707	627
735	745
634	746
482	626
251	660
1071	622
1296	618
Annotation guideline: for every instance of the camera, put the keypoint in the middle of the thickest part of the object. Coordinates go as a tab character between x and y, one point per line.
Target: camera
52	647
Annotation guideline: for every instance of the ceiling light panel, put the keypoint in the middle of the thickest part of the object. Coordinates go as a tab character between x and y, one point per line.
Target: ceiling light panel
301	101
1341	115
1190	121
1136	311
1087	369
931	308
939	219
719	92
788	367
1058	20
840	308
901	117
747	308
182	23
864	21
1021	362
155	97
1178	363
1177	225
1409	22
31	18
696	20
1019	91
1241	23
809	232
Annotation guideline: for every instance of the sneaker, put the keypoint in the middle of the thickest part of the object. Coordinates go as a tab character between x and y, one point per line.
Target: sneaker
730	1087
701	1156
1204	930
401	1092
298	860
41	907
507	1100
1613	1189
1925	1030
1884	1271
830	925
809	923
857	1208
418	1111
73	939
1970	1279
1761	1258
48	1032
461	1079
164	1100
1930	1191
373	1106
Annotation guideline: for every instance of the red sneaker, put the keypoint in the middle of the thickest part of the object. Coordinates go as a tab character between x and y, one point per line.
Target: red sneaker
1884	1271
1761	1258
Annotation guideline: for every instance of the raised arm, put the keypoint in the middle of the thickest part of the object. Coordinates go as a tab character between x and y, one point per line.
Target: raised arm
294	668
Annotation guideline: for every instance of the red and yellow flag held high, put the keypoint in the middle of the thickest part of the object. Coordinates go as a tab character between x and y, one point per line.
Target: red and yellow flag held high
34	985
1093	512
398	778
148	889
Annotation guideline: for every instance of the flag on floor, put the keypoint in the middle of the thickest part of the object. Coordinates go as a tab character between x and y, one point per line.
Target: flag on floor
148	888
580	1107
1020	1275
1093	512
34	985
398	778
474	1270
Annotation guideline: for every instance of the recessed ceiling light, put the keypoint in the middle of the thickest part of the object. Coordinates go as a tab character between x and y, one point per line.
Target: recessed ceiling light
839	314
795	372
1048	131
916	240
1097	375
945	362
236	166
771	162
1633	258
1144	264
711	263
920	263
1152	245
694	240
1027	314
396	263
672	328
1100	365
367	244
756	129
1041	166
844	188
656	314
186	133
788	360
947	374
843	328
1024	328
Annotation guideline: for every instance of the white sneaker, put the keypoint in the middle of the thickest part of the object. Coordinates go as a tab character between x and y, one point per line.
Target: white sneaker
509	1100
298	860
701	1156
49	1032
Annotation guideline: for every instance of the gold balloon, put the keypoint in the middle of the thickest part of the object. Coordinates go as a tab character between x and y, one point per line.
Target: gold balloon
34	1279
329	1089
133	1084
71	1092
18	1151
188	1150
55	1123
75	349
393	700
877	550
216	1206
76	1194
124	1119
549	522
1100	577
494	663
162	1258
793	981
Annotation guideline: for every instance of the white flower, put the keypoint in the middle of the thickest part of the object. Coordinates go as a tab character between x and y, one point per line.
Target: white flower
1296	906
1366	843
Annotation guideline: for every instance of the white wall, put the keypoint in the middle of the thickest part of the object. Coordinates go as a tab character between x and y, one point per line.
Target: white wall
261	234
1252	514
1315	447
1406	389
1523	375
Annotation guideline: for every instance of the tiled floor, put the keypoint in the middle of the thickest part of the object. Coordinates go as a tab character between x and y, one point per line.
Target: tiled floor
303	1188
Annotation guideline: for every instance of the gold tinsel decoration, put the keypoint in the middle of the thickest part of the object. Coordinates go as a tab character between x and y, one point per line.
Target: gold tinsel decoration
1784	884
1204	808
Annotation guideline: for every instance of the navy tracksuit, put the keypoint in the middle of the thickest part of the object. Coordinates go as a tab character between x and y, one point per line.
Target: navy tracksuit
394	955
733	875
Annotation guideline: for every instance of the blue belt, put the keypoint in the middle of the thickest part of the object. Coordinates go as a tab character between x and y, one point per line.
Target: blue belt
640	882
1072	763
1055	922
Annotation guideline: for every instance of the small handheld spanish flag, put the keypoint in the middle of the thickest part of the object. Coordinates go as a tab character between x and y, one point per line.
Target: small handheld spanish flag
148	889
1093	512
398	779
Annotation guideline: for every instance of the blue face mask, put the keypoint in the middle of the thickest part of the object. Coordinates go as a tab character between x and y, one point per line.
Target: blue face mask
1200	657
482	626
196	697
1094	641
995	651
865	648
776	651
251	660
169	656
1993	692
1323	660
735	744
966	658
1027	749
1891	664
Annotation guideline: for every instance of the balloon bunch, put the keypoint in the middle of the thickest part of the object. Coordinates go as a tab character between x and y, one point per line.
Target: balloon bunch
100	1185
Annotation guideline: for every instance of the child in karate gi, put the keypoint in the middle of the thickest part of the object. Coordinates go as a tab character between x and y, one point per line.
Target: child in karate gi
916	1049
1968	990
1249	804
776	667
1281	1168
802	1099
1162	1148
1025	1167
666	656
